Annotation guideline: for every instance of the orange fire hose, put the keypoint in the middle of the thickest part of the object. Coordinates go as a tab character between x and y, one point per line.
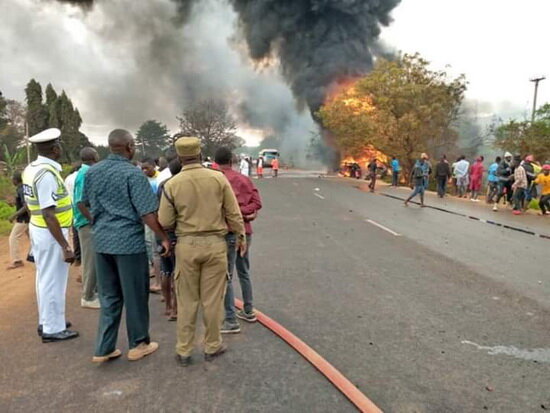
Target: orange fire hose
328	370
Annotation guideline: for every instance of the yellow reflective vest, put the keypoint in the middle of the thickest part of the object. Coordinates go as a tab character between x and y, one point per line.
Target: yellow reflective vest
63	206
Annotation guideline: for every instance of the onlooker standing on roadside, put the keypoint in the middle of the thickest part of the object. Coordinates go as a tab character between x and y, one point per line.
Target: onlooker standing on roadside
120	200
372	168
461	173
543	180
69	184
492	180
519	186
395	169
442	175
82	223
505	177
249	203
21	225
200	204
476	178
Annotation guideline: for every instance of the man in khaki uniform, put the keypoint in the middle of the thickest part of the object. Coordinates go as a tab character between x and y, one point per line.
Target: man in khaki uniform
200	204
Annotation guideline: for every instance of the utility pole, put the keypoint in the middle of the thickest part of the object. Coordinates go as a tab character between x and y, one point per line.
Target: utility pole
536	81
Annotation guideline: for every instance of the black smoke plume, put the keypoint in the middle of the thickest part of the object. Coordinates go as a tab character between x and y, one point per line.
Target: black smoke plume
318	42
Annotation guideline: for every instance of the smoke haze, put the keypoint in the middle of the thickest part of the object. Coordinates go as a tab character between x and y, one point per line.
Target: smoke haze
124	62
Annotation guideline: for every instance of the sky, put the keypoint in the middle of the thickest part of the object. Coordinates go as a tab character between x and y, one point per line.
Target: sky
498	44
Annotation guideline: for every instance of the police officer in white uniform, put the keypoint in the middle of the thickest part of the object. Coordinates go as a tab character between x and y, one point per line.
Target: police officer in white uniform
51	217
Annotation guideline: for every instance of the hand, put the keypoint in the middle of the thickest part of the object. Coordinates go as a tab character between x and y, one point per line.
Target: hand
68	255
242	247
11	218
167	248
250	217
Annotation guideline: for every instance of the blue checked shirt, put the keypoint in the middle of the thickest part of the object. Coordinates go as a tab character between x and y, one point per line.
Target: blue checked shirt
118	194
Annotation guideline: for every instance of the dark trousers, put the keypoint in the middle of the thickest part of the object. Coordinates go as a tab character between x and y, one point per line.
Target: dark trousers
242	264
122	280
372	184
441	186
395	178
519	199
76	245
544	203
505	186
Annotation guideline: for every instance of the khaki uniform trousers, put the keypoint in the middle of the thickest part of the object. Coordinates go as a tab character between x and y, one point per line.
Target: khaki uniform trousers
19	229
200	279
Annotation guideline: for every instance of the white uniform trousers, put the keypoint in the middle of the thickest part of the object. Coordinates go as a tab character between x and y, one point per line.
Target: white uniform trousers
52	273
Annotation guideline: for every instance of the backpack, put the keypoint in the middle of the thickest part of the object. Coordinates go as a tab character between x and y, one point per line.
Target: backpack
418	172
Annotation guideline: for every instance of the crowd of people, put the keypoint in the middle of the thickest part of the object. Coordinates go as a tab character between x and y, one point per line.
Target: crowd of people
171	226
515	180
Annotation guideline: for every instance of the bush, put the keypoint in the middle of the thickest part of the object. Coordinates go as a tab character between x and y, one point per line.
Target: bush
6	188
5	211
5	227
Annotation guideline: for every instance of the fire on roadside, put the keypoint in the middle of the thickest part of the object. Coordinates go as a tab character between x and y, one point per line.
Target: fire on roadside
347	162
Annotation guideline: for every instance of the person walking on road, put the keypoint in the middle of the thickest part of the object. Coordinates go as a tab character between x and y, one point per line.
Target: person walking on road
260	168
249	203
492	180
82	223
51	214
120	200
543	180
519	186
442	176
20	219
372	168
462	178
476	178
531	191
395	169
275	167
505	177
200	204
419	175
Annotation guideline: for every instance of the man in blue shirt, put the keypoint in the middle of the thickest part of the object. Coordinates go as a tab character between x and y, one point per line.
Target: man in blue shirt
493	180
120	201
82	219
395	168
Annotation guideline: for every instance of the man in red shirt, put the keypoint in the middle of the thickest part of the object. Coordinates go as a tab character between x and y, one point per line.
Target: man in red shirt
250	203
275	167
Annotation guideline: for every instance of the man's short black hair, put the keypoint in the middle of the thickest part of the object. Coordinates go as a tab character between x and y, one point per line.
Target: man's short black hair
17	177
149	161
223	156
498	159
170	154
174	166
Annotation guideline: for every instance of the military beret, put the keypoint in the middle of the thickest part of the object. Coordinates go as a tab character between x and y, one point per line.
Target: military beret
45	136
188	146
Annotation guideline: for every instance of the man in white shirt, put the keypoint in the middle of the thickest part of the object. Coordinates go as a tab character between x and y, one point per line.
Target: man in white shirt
51	214
461	171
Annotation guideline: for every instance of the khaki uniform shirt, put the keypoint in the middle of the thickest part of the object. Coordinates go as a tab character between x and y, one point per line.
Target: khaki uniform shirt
198	202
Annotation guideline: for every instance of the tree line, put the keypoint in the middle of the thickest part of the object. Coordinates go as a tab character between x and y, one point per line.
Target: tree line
403	108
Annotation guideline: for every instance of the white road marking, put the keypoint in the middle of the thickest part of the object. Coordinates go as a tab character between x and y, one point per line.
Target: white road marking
319	196
376	224
534	354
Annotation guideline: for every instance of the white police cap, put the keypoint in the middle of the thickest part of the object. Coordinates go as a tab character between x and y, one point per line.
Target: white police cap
45	136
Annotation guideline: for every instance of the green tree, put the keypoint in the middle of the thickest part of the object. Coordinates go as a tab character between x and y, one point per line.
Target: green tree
37	113
524	137
12	127
152	137
401	108
211	121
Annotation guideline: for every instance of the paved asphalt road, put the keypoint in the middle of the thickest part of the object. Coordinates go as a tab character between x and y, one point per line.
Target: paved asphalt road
449	316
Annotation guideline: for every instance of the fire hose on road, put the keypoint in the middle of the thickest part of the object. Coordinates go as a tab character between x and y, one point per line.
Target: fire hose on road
347	388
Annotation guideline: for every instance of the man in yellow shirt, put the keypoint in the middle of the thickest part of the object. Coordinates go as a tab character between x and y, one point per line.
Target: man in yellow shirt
543	180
